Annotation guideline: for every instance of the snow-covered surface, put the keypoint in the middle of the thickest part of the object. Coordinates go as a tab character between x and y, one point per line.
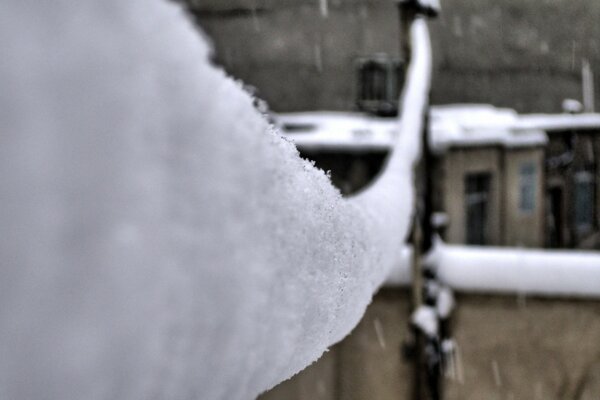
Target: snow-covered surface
159	240
558	122
472	125
572	106
475	269
425	318
518	271
461	125
401	272
346	131
445	302
440	219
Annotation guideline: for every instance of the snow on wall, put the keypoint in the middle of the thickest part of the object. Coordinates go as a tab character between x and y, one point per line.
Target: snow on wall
159	240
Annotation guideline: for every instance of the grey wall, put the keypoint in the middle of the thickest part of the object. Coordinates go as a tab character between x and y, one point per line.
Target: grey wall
298	59
458	163
521	54
523	229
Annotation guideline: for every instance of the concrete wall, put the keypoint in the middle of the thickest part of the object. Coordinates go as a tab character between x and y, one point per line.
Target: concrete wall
507	224
522	229
526	348
368	364
298	59
512	53
511	348
318	382
457	163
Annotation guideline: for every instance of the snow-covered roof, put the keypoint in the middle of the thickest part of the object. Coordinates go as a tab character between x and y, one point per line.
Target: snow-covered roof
350	131
473	125
559	122
463	125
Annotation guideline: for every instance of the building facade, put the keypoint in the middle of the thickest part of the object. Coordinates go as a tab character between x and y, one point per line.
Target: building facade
344	55
303	54
572	190
488	177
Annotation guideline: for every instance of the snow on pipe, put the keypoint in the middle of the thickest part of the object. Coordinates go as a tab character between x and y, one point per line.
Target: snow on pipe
393	192
520	271
159	239
474	269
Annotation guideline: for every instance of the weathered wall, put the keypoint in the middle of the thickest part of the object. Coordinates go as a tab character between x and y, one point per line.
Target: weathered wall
512	53
318	382
457	163
298	59
522	229
526	348
510	347
507	224
368	364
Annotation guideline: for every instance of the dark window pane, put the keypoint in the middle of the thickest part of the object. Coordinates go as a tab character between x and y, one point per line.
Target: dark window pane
477	188
527	178
584	201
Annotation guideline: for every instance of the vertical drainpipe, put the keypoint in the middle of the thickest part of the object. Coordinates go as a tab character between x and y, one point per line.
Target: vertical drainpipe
422	234
407	13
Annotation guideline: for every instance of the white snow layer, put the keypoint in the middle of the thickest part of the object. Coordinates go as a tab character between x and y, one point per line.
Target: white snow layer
471	125
518	271
159	241
483	269
334	130
426	319
445	302
459	125
558	122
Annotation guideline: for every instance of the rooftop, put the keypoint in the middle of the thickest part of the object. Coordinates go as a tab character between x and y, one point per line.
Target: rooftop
460	125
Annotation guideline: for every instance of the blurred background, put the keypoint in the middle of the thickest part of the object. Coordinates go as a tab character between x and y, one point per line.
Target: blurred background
516	145
302	54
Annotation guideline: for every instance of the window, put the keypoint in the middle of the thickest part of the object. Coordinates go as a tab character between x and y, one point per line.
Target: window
373	85
379	84
584	201
527	186
477	191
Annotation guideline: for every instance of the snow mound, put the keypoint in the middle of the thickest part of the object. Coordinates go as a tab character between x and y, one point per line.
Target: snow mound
160	240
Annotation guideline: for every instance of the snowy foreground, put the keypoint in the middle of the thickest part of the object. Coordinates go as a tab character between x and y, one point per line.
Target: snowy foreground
159	240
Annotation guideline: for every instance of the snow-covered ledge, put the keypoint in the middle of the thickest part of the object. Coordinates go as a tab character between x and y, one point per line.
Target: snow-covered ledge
159	239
